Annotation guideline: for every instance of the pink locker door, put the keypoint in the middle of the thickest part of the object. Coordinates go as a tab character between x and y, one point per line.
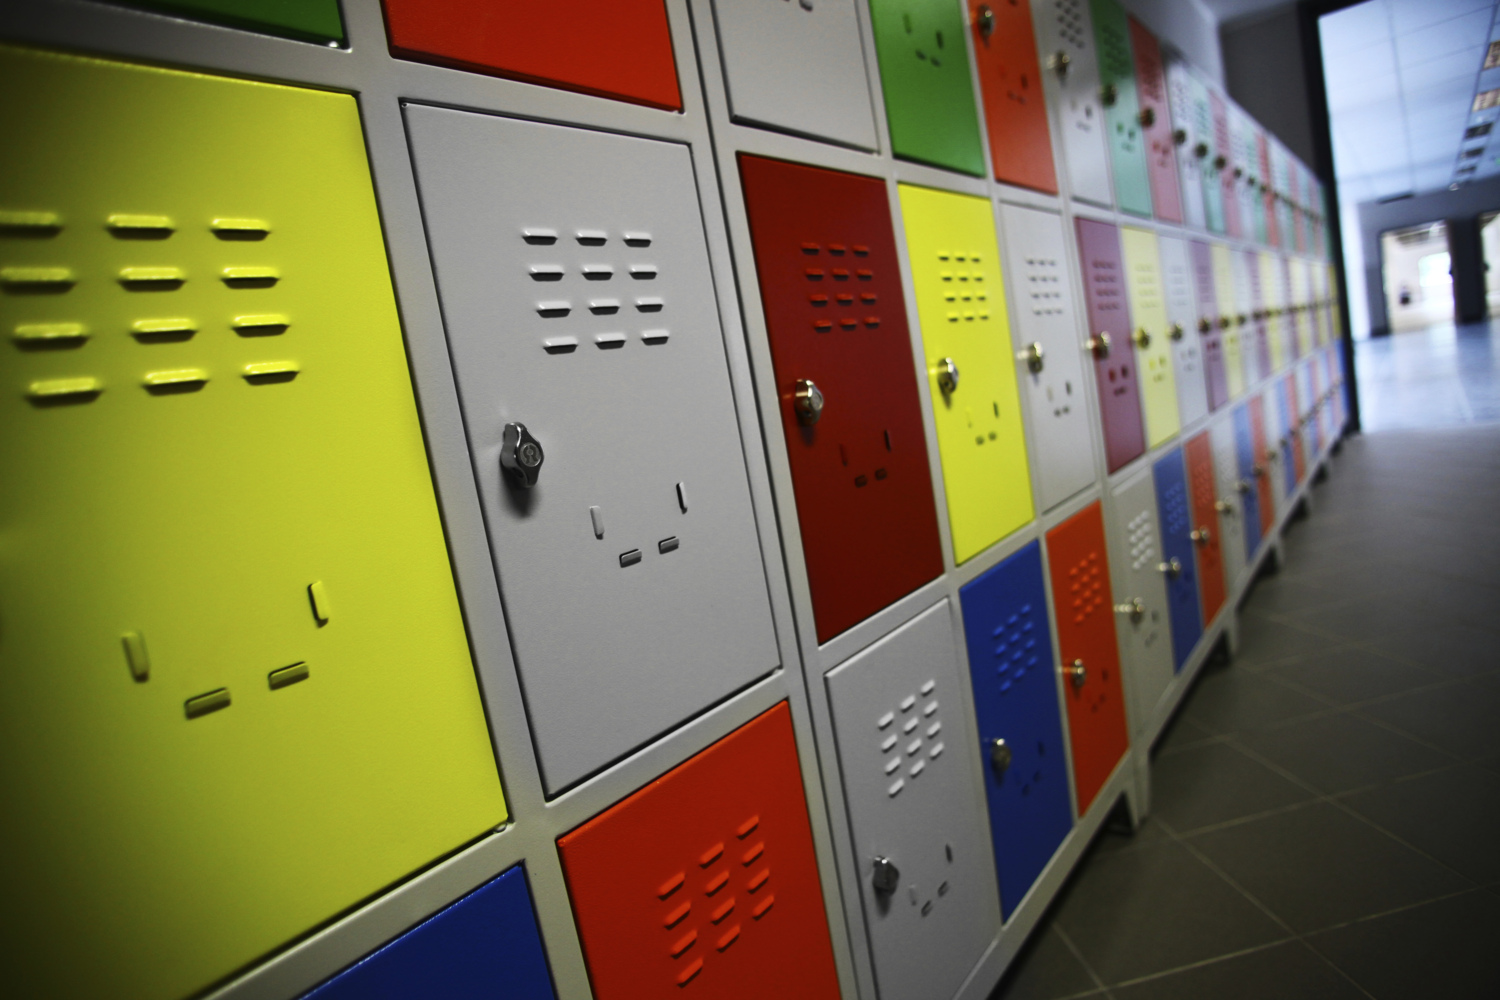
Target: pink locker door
1109	341
1223	153
1156	123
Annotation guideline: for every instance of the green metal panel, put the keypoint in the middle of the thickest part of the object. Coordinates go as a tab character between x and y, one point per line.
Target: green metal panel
312	20
929	95
1122	107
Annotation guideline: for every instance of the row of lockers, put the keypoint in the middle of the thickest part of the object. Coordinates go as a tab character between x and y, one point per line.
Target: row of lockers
1141	128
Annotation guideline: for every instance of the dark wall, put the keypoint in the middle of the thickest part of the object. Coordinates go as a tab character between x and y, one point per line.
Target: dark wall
1263	71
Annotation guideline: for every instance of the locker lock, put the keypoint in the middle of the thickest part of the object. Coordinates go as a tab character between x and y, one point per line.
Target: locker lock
1032	356
1147	117
1000	755
1134	607
1205	325
1108	95
1244	485
1179	136
1219	162
1142	338
947	376
1240	320
1200	150
1175	331
520	455
1225	507
984	20
1099	345
1058	62
1076	672
1172	568
807	400
1202	535
885	876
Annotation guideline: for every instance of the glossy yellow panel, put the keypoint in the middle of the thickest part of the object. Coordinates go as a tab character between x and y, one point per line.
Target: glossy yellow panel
1153	348
1297	274
1270	295
955	263
1234	355
237	693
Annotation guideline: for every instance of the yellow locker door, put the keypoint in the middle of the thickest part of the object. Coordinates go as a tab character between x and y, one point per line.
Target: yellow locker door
1224	288
971	368
238	698
1270	285
1153	353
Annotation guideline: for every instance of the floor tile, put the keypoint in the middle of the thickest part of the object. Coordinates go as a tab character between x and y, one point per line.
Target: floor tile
1442	949
1235	700
1213	784
1363	618
1317	866
1182	732
1460	718
1264	639
1289	971
1046	969
1138	912
1113	838
1342	752
1345	675
1458	649
1453	815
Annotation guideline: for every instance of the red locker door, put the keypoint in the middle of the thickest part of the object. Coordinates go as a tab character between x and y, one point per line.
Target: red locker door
826	258
1109	341
1263	490
1010	78
1200	462
1156	123
1224	163
1294	430
1079	568
706	878
613	48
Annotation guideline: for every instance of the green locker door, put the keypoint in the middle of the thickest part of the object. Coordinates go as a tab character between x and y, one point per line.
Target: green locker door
1122	107
971	368
237	693
309	20
1152	335
924	71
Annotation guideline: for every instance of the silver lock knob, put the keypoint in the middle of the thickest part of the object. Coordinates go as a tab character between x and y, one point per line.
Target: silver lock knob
1058	62
520	455
1202	535
1098	345
1244	485
1033	357
807	400
947	376
984	20
1175	331
885	876
1076	672
1000	755
1224	507
1142	338
1134	607
1172	567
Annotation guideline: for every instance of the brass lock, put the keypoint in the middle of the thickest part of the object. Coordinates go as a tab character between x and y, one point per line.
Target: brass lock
1172	568
947	376
1075	672
1147	117
1200	150
984	20
1202	535
1245	485
1108	95
1205	324
1179	136
1175	331
1033	357
1134	607
807	400
521	455
1142	338
1220	162
1098	345
1000	755
1059	62
1225	507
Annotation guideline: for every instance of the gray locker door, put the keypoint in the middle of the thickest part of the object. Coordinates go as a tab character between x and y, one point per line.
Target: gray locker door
1182	321
1231	510
1245	306
1189	160
1044	314
797	66
914	809
1271	459
1141	621
574	281
1071	68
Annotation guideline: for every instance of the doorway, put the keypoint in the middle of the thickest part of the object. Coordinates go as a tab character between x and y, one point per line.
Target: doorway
1415	271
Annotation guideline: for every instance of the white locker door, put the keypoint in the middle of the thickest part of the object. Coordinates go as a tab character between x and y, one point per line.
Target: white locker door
1045	334
1135	561
1231	510
1065	36
1185	134
1276	433
1244	316
1182	319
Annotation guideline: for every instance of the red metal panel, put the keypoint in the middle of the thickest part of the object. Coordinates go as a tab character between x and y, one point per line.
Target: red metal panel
1079	568
1208	324
612	48
1224	163
825	254
1268	192
704	882
1200	462
1156	123
1011	79
1263	491
1114	366
1299	456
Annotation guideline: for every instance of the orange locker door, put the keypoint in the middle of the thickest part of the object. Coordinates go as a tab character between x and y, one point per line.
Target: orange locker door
1200	461
1262	473
1010	79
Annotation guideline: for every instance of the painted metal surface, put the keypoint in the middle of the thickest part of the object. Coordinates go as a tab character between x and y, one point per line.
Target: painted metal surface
1012	671
924	73
1223	163
1228	308
705	880
1255	351
1242	160
1122	107
1259	445
1151	331
1140	609
971	370
1182	329
909	788
1156	123
1229	503
1078	569
1280	348
306	20
1210	331
1066	41
1010	78
1249	485
1275	459
1111	345
1191	143
1203	491
1174	507
864	493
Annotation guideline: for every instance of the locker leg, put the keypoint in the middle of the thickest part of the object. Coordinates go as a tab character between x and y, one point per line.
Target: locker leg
1232	633
1320	475
1138	796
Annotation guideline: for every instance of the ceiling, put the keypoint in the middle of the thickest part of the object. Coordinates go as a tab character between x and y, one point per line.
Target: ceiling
1402	79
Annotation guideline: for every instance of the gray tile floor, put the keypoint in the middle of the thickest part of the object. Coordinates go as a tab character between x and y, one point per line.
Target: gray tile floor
1326	819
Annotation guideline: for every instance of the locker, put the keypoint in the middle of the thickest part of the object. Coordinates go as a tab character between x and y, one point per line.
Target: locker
1078	569
1010	78
1110	342
1182	329
1307	399
246	629
706	878
1250	316
1268	191
1223	163
971	371
1207	535
1281	185
1230	500
1156	123
929	97
1317	293
309	20
1191	145
1302	335
1242	140
484	945
1208	153
1271	305
1153	342
926	882
1292	429
1210	326
1258	448
1051	367
1019	720
797	67
1178	534
1276	457
621	49
1228	301
1122	107
1250	484
830	285
614	558
1066	43
1141	617
1299	241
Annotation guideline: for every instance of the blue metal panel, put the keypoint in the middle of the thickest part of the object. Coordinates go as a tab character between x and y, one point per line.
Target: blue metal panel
484	945
1244	446
1172	504
1288	430
1015	698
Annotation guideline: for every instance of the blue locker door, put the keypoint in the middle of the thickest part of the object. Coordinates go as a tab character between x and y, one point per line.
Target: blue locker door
486	945
1015	699
1244	446
1288	432
1172	505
